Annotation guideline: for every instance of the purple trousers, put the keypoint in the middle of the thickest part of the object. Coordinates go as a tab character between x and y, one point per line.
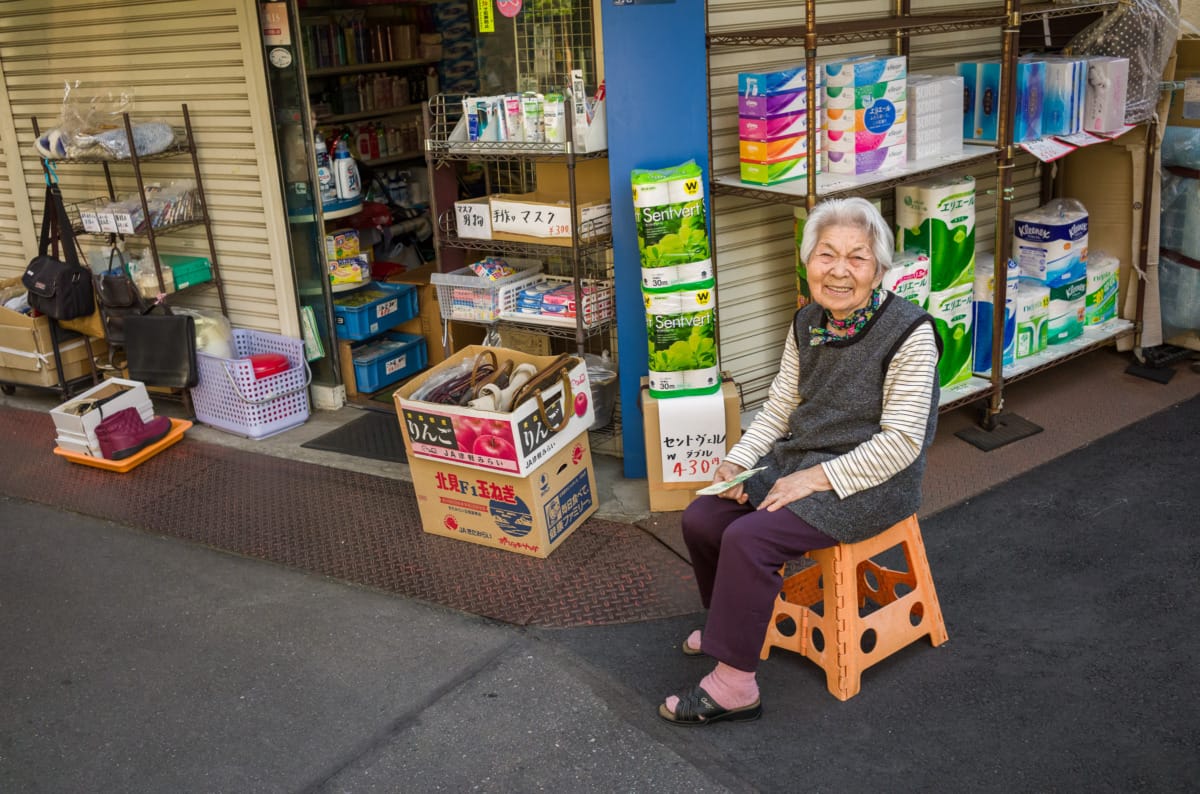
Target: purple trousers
737	552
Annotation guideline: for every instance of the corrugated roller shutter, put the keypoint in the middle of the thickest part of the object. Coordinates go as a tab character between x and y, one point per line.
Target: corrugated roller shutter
202	53
755	249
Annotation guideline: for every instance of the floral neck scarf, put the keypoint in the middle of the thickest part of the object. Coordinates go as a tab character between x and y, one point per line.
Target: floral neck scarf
851	326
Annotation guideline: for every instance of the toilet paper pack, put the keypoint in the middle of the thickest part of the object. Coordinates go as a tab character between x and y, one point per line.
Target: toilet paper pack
937	218
1050	242
1102	288
908	277
1068	308
1033	312
982	305
952	318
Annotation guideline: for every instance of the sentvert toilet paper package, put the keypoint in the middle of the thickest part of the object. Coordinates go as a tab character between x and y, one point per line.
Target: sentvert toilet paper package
1033	312
681	330
908	277
1050	242
672	226
1102	288
952	317
937	218
983	303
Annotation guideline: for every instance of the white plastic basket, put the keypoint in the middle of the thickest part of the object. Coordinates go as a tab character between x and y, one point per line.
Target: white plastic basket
462	295
230	398
597	303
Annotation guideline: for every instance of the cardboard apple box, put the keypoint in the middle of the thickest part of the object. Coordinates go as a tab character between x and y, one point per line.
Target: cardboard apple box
529	515
512	443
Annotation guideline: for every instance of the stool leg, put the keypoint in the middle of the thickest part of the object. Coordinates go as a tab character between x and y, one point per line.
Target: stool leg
843	675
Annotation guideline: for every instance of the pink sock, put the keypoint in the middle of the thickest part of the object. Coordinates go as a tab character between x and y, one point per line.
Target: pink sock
730	687
693	640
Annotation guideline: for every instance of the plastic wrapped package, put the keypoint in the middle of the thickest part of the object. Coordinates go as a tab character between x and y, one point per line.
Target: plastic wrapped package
1179	294
94	127
1178	230
1144	31
1181	147
214	332
602	375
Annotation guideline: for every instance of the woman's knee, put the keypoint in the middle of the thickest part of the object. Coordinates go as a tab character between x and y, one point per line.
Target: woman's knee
705	519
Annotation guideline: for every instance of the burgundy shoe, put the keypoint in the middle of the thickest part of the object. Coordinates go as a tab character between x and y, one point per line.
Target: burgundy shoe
124	433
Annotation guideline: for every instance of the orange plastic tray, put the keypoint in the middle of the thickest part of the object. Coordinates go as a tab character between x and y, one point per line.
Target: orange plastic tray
178	426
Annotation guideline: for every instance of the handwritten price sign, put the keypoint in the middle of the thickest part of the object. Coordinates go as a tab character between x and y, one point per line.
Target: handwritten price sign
691	437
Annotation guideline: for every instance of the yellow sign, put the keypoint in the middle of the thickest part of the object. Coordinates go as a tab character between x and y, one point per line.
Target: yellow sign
487	22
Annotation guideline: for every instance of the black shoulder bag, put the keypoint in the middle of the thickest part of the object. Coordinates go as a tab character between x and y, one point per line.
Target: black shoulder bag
58	289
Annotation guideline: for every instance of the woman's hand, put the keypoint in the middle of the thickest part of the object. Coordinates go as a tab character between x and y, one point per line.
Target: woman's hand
795	486
726	472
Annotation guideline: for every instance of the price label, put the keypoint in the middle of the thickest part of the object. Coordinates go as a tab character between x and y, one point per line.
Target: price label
691	437
1048	149
386	308
529	219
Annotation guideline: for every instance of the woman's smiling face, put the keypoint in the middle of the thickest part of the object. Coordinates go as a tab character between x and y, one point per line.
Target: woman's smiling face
842	271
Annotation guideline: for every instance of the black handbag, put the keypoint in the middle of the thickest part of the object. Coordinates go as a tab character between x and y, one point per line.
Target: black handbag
160	349
58	289
119	299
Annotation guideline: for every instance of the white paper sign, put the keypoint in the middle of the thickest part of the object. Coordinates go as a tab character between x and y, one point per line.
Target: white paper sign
691	437
530	219
1081	138
1048	149
474	219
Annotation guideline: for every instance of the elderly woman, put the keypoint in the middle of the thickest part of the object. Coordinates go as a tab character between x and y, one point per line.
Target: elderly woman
841	439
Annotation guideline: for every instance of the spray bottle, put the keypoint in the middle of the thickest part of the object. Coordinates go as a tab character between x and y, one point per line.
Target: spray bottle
325	181
345	172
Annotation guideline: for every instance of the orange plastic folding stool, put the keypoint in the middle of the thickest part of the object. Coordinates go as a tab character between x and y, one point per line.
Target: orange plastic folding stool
841	639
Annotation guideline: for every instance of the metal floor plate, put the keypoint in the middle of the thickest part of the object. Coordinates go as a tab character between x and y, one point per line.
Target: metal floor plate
353	527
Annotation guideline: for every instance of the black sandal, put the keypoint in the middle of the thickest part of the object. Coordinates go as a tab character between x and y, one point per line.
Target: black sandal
696	707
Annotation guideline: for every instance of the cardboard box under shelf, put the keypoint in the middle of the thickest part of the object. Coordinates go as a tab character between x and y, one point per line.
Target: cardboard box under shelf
27	352
551	199
674	496
1187	65
530	515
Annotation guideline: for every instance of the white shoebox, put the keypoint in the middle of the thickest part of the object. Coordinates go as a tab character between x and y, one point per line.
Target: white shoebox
75	421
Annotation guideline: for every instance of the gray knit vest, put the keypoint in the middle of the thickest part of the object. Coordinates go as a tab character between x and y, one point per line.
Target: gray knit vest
841	399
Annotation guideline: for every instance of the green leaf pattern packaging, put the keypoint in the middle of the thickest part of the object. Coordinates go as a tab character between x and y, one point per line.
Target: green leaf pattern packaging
677	280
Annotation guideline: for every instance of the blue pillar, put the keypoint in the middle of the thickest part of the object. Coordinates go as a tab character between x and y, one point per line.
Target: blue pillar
656	87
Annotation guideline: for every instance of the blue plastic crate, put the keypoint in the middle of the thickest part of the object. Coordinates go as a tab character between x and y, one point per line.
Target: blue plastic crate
375	307
390	358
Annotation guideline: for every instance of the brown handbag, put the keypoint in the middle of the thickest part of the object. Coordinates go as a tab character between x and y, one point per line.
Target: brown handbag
556	371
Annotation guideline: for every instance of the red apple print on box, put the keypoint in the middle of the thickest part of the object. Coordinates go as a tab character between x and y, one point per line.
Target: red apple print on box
495	447
450	522
581	404
508	8
577	454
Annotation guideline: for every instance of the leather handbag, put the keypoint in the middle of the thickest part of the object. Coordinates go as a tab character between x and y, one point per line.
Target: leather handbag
58	289
119	299
557	371
160	349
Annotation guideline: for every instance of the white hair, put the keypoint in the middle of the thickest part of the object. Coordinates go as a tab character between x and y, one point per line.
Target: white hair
857	213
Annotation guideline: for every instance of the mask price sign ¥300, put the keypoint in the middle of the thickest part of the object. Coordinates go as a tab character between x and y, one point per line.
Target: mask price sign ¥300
691	437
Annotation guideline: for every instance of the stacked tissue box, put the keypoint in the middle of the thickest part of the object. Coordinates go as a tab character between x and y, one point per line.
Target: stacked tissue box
1063	97
935	115
1051	245
866	104
773	125
1104	97
981	100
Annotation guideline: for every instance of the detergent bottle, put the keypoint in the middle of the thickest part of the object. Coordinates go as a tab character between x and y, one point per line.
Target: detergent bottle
345	172
325	180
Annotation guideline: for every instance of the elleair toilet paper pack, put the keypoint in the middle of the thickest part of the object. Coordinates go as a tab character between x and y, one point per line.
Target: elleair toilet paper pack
937	218
908	277
952	318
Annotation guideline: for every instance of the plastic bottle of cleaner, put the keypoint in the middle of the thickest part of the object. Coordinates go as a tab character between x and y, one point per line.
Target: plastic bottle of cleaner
345	172
325	180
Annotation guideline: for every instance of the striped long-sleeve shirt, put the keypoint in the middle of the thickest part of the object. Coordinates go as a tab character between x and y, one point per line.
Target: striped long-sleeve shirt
907	392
